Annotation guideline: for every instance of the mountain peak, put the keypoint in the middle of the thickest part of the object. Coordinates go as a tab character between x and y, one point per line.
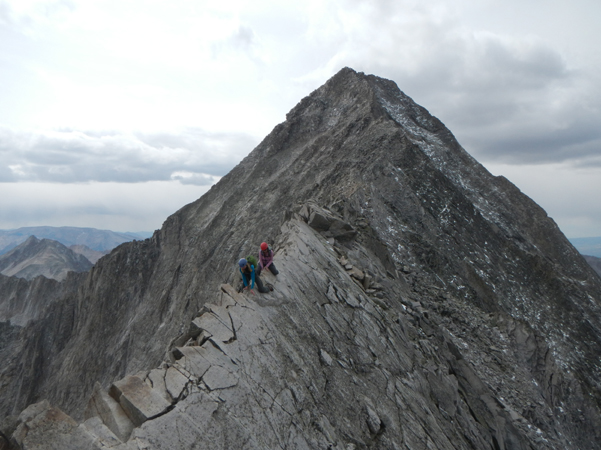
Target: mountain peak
420	303
45	257
31	240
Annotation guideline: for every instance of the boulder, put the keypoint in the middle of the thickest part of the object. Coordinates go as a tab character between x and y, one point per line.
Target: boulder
101	404
356	273
319	220
328	222
217	324
139	401
101	434
42	427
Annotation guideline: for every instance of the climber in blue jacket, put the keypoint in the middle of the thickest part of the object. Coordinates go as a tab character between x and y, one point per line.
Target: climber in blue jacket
250	276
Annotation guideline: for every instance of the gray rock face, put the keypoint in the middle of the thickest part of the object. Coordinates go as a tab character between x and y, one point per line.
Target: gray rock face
22	301
421	303
45	257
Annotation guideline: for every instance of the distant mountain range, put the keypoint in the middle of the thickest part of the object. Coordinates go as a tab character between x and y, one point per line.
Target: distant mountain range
45	257
92	255
594	262
588	246
99	240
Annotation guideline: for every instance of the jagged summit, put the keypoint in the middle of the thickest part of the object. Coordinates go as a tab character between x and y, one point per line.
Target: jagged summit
357	130
421	303
44	257
98	240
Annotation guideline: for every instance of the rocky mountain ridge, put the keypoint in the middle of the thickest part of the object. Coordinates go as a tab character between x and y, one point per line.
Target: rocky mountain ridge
421	303
44	257
99	240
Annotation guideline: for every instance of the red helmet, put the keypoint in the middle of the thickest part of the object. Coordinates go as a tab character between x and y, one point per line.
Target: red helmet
264	246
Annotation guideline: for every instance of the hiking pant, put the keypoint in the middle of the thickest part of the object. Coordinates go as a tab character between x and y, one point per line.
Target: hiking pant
271	268
262	289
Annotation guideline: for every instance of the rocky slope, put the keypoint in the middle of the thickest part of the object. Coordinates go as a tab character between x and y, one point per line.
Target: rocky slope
45	257
421	303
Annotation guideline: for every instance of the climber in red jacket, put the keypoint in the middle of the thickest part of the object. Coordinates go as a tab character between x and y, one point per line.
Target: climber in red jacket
266	259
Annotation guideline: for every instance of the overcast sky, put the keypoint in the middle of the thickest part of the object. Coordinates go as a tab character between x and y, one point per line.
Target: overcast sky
116	113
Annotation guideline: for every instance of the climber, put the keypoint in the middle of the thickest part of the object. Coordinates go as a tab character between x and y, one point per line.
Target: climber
250	276
266	259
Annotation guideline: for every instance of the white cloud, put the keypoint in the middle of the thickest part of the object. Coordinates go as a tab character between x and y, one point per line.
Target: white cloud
192	156
109	206
512	98
134	66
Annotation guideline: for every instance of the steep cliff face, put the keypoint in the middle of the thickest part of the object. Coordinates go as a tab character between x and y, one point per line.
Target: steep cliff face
22	301
421	303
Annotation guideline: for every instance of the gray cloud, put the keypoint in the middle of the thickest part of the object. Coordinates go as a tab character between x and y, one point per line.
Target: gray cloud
514	98
578	142
197	179
241	42
192	156
244	37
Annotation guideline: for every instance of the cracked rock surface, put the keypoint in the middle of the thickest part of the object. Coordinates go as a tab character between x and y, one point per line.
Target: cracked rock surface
421	303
